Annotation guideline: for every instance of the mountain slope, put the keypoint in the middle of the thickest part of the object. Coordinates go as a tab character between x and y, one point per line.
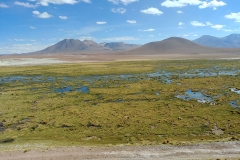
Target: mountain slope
231	41
171	45
64	46
72	46
120	46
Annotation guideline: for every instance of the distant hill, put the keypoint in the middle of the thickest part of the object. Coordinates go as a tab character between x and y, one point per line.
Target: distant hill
74	46
231	41
170	45
120	46
64	46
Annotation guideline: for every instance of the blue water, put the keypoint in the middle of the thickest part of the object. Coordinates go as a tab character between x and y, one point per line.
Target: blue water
83	89
189	95
234	104
235	90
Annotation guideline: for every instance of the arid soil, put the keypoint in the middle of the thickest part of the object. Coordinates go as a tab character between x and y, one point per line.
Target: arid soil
219	150
9	60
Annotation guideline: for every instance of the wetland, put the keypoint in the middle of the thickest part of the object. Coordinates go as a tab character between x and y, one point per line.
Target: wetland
115	103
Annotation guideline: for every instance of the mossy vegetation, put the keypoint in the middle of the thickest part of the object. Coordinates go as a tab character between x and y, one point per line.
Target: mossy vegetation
124	104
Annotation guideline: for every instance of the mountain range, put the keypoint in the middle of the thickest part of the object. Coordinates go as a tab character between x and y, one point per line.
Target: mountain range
72	46
175	45
231	41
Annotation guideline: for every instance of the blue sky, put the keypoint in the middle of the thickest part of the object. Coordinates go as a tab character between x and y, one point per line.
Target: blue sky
30	25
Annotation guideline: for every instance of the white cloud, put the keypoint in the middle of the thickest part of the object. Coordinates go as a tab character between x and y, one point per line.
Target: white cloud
19	40
119	10
32	27
218	26
180	3
234	16
27	5
114	1
101	22
125	2
197	24
179	12
87	38
36	12
180	23
121	39
46	2
231	30
200	3
87	1
2	5
63	17
152	10
132	21
42	15
212	4
147	30
209	24
200	24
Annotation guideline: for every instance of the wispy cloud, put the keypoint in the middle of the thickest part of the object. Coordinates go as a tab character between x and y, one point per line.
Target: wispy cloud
197	24
87	1
200	3
180	24
46	2
25	4
32	27
119	10
131	21
101	22
179	12
2	5
121	39
63	17
147	30
125	2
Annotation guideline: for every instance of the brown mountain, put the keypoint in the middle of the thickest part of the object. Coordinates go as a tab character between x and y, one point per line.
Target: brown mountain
171	45
93	45
64	46
75	46
120	46
176	45
231	41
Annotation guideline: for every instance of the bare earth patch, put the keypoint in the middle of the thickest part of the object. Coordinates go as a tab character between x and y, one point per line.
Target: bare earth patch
218	150
28	61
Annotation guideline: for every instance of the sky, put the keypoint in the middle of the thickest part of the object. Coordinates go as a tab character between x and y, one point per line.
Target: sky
31	25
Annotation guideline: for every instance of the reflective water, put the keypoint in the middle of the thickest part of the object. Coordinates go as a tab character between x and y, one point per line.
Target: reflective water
235	90
234	104
83	89
189	95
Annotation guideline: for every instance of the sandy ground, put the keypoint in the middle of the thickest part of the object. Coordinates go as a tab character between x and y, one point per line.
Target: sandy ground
28	61
219	150
16	60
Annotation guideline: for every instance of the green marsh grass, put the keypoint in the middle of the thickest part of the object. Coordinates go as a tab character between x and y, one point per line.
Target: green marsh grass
118	111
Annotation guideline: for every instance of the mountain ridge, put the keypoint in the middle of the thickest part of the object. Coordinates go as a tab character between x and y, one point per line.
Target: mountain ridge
230	41
74	46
